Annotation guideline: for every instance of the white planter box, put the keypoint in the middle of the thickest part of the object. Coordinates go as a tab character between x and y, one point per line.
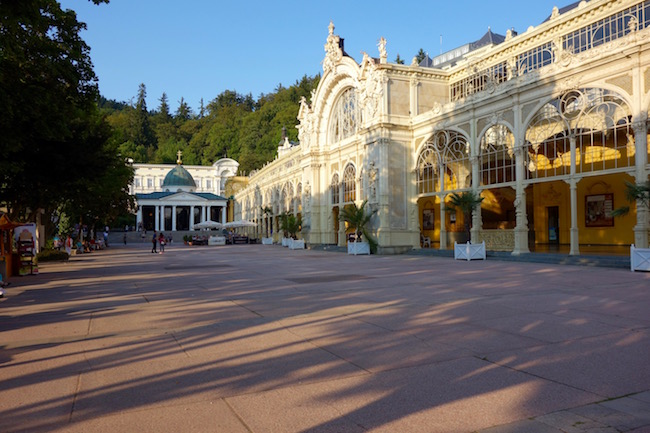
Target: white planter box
297	244
267	241
469	251
216	240
639	259
357	248
285	242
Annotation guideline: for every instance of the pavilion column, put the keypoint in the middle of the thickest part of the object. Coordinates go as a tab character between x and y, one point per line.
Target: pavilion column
223	214
342	240
157	216
443	214
575	244
574	249
138	217
192	217
174	218
477	216
521	227
205	213
641	175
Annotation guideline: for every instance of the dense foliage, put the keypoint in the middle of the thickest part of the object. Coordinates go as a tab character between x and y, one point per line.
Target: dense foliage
231	125
56	157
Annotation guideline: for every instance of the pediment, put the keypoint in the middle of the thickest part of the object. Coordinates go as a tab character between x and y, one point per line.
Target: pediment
183	196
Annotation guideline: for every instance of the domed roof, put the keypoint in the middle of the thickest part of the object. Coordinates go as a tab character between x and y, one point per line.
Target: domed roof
178	176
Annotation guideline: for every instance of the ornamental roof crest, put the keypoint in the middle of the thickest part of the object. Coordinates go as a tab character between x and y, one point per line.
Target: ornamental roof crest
333	50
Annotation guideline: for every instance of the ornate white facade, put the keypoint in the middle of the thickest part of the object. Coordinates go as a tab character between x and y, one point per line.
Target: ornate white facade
148	178
176	197
547	126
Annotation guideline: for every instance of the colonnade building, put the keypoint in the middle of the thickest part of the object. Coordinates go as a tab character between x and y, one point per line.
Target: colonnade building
547	125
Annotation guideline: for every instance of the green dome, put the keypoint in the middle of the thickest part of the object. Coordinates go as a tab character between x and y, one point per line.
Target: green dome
178	176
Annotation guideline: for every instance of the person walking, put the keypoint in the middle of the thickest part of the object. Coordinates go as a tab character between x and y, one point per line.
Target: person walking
154	242
161	241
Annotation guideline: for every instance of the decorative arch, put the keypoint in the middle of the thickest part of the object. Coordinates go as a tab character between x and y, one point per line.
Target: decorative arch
600	122
497	156
446	154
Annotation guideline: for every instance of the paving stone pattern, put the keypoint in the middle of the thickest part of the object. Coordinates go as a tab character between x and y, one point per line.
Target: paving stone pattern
258	338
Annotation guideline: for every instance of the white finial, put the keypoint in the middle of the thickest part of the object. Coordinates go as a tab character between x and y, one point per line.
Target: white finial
331	27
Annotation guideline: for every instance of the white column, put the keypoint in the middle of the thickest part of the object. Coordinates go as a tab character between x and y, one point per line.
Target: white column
521	228
223	214
573	184
174	218
192	217
443	214
575	244
641	175
205	213
156	217
477	216
138	217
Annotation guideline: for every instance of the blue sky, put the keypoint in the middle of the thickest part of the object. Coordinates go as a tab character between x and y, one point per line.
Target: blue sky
198	48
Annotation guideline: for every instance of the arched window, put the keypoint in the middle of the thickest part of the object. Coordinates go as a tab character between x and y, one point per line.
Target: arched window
599	119
497	156
345	117
427	170
349	184
334	190
446	152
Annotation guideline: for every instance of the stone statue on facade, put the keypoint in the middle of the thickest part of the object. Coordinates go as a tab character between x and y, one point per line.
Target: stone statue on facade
333	51
383	55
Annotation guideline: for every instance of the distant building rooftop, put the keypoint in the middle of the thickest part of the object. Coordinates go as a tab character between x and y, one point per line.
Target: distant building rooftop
452	57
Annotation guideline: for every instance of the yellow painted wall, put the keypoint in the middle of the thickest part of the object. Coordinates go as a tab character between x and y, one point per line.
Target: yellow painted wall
557	194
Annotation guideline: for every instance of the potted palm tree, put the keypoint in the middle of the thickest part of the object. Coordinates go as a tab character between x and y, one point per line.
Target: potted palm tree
358	220
267	212
293	226
467	202
639	193
283	220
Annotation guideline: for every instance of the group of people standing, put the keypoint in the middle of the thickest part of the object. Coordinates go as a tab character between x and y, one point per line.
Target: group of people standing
158	239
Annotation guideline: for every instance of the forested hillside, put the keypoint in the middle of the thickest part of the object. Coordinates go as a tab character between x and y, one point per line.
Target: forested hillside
233	125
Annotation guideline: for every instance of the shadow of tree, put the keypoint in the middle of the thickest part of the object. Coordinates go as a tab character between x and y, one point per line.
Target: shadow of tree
417	344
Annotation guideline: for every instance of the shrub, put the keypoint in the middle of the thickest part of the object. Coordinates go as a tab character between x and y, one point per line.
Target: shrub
51	256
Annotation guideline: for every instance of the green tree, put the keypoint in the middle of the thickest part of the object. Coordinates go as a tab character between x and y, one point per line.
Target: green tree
184	112
163	109
466	202
399	60
51	130
421	55
142	133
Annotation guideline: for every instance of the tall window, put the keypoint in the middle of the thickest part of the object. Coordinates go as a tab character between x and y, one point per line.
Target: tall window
599	119
345	117
427	171
334	190
349	184
446	152
497	156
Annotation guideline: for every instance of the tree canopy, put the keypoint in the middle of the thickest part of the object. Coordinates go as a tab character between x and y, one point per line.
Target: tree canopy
54	140
231	125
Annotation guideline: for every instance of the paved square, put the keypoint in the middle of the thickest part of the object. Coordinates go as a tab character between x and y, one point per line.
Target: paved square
256	338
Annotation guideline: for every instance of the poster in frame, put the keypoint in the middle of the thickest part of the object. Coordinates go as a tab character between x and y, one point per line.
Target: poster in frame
598	210
427	219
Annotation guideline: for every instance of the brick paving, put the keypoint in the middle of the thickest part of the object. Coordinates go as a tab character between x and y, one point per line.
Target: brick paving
255	338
